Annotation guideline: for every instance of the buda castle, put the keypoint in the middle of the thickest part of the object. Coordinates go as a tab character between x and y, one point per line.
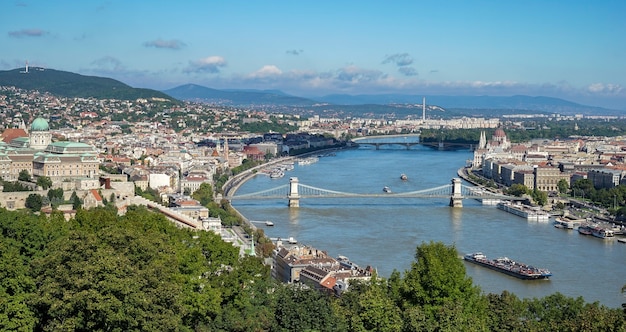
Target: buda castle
35	153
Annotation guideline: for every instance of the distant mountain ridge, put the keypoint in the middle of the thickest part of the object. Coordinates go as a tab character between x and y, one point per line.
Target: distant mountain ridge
508	104
67	84
193	92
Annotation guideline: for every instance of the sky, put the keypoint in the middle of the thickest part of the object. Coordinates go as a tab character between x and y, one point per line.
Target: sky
575	50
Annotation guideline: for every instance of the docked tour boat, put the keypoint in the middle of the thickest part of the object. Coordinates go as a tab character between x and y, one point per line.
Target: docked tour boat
565	223
509	266
524	211
602	233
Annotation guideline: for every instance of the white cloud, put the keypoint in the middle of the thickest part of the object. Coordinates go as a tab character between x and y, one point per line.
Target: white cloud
407	71
172	44
108	64
356	74
267	71
211	64
605	89
399	59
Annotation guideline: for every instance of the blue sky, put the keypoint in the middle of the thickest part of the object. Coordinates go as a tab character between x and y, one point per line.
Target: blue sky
574	50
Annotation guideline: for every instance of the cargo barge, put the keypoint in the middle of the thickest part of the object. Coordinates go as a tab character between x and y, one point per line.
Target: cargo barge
509	266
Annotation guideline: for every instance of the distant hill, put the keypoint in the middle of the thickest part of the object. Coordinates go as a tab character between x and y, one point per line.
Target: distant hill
512	103
68	84
193	92
385	103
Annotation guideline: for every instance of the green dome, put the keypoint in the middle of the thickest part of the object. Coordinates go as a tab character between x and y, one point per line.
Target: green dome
40	124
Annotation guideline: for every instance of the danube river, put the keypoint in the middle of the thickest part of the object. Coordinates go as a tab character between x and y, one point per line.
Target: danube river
384	232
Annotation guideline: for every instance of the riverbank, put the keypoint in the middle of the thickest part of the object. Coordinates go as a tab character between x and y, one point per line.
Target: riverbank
232	185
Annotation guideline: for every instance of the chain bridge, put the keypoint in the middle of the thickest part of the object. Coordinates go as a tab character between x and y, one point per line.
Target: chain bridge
294	191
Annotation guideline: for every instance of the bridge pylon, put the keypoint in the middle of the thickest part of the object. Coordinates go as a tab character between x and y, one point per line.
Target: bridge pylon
456	200
294	197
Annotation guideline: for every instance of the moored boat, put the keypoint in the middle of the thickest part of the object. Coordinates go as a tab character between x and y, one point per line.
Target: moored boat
524	211
509	266
584	230
308	161
387	189
269	223
566	223
403	177
602	233
277	173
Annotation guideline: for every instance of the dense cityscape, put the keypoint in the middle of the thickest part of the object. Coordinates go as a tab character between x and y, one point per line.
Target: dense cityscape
69	158
312	166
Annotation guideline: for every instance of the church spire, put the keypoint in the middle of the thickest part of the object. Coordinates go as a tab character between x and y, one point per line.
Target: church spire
226	148
482	143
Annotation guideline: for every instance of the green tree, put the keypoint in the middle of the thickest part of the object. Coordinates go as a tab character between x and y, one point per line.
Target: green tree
563	186
437	293
33	202
55	196
517	190
16	287
303	309
204	194
505	312
55	193
24	175
370	308
558	312
540	197
77	203
116	280
14	186
44	182
583	188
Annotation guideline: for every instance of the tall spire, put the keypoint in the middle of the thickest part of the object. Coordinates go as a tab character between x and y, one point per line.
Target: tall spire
226	148
482	143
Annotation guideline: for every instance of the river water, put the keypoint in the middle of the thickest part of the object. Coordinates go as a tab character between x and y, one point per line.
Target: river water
384	232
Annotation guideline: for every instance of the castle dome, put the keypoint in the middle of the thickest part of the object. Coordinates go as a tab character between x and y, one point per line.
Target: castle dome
499	133
40	124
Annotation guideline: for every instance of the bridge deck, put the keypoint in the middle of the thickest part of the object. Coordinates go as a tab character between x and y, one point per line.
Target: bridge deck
306	191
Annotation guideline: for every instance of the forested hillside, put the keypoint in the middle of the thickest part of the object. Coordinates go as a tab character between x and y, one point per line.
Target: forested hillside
67	84
103	272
